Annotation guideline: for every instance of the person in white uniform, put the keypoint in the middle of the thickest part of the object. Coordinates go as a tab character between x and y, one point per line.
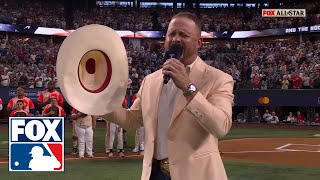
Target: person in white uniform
84	125
112	130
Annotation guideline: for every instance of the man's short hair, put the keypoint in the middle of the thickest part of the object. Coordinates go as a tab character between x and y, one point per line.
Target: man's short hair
192	17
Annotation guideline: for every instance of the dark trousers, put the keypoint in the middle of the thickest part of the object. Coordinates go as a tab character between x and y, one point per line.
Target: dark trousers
156	173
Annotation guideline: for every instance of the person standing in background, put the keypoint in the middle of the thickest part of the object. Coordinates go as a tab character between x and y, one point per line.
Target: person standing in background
84	126
28	104
139	137
44	97
74	134
53	109
1	106
111	130
19	112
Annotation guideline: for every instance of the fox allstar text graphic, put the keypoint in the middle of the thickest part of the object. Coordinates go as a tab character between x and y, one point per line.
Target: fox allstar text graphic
36	144
283	13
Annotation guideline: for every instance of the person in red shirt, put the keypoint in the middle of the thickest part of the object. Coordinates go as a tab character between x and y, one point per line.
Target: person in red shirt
256	81
19	112
53	109
28	104
44	97
74	135
296	80
300	118
1	106
316	119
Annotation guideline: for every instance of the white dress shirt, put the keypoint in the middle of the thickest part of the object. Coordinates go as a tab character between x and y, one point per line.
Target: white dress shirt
167	102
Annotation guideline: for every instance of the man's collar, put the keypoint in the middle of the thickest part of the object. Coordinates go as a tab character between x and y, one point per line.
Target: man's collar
190	66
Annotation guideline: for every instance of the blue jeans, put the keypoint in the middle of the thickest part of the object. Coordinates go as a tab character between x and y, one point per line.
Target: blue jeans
157	174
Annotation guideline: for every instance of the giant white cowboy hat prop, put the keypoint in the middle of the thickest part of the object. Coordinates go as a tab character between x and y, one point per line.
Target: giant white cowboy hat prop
92	69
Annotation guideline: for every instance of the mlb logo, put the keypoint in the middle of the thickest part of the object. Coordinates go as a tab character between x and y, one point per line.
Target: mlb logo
36	144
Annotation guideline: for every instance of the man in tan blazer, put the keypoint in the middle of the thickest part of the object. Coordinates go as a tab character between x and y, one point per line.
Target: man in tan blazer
184	118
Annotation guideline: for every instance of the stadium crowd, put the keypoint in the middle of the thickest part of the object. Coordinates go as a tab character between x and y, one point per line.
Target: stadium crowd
36	13
51	14
274	65
296	118
27	62
30	62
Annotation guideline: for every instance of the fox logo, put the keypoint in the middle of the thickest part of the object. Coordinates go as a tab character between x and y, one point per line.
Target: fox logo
36	144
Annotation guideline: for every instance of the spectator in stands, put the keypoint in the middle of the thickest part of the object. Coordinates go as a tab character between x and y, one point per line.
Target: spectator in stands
264	83
267	116
305	81
14	82
39	82
255	80
316	80
256	117
1	106
31	83
285	82
23	80
274	118
296	80
300	118
5	79
316	119
290	118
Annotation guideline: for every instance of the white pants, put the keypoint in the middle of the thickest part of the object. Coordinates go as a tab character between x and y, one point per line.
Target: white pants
140	134
113	129
85	140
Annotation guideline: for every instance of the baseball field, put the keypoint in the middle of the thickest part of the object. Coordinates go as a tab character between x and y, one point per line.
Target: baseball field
249	151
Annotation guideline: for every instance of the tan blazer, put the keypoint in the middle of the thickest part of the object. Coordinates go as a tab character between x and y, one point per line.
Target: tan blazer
195	127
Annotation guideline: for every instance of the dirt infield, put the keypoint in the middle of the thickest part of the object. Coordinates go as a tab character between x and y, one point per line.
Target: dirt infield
288	151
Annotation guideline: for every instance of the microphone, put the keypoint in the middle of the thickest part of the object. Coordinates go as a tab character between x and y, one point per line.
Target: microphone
175	51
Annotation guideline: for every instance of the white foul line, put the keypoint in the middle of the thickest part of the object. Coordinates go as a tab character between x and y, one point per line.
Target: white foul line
236	152
306	144
281	147
296	150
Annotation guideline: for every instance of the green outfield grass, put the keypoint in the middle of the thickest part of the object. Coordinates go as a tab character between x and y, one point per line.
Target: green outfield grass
131	168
